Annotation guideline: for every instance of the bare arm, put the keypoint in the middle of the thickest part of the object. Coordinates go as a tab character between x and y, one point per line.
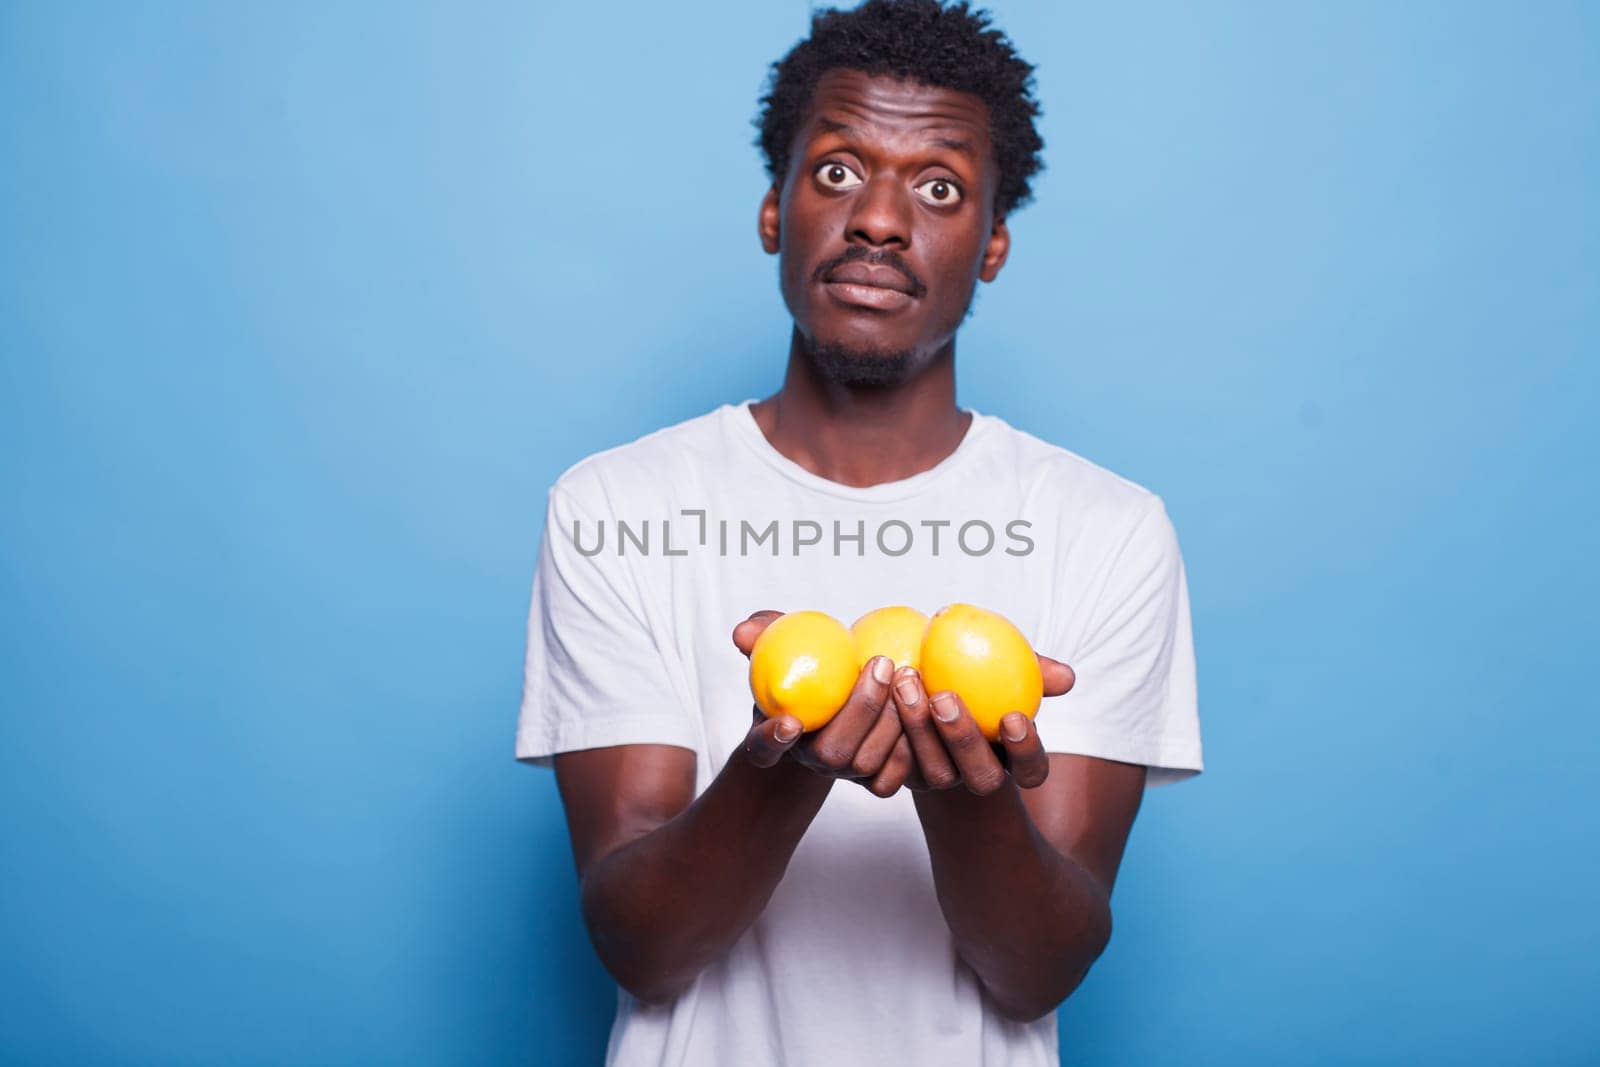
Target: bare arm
1024	876
669	885
669	881
1025	855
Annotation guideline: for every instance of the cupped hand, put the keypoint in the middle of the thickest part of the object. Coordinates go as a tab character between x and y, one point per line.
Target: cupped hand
950	749
863	742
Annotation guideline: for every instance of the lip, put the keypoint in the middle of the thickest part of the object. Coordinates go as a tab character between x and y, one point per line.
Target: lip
876	297
877	276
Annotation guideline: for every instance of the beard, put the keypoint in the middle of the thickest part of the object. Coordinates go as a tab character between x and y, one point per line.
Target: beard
867	368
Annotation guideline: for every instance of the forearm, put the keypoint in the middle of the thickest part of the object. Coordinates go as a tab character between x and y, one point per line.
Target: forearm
663	906
1028	919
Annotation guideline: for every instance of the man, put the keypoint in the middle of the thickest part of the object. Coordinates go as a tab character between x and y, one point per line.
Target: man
767	897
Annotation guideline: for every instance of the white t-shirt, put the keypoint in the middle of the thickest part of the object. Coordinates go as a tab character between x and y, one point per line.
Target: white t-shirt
654	550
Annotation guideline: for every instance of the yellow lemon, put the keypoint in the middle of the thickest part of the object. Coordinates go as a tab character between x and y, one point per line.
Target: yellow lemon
985	660
803	664
894	632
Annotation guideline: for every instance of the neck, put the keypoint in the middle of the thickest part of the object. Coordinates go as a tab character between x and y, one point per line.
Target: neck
861	436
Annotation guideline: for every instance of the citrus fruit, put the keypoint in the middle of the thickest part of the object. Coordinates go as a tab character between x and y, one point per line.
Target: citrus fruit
804	664
894	632
982	658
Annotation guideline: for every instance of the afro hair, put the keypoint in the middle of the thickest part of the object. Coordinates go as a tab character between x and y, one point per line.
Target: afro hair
924	41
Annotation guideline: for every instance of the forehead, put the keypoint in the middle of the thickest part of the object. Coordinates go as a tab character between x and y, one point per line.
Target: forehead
879	105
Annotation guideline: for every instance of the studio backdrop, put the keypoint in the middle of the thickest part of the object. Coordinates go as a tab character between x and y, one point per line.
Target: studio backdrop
303	308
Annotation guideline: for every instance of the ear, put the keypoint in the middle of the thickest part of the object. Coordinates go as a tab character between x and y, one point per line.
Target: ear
767	221
996	251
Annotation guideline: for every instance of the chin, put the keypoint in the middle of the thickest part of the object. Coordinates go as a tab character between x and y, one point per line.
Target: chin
860	365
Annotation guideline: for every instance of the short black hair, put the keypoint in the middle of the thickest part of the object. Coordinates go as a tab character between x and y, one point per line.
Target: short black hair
925	41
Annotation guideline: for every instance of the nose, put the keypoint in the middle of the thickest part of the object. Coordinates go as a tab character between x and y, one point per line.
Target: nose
880	214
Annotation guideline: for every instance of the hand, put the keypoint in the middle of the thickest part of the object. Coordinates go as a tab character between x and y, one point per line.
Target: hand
950	750
862	742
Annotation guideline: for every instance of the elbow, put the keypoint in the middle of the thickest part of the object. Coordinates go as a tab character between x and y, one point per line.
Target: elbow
655	992
1029	1009
1098	937
1035	1005
646	980
631	956
1030	1006
1020	1013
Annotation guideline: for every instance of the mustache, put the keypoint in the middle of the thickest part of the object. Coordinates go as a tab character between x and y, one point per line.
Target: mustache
888	257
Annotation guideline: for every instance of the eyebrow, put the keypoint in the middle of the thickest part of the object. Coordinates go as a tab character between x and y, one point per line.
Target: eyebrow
954	144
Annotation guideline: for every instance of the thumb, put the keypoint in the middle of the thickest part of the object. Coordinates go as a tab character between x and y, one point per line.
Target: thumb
769	739
1058	677
745	634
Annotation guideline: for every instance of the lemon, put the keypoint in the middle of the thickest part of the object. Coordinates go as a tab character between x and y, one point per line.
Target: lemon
894	632
985	660
804	664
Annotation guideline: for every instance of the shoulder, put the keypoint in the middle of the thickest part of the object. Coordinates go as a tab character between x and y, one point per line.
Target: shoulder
644	467
1060	480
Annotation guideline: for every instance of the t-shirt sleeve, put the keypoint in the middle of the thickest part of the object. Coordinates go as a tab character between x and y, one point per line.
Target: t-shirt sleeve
1134	699
595	673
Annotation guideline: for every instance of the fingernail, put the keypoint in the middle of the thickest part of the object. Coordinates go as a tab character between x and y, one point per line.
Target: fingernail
944	708
908	690
786	732
1014	726
882	669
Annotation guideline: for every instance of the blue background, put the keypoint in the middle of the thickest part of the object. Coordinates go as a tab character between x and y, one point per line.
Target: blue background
304	309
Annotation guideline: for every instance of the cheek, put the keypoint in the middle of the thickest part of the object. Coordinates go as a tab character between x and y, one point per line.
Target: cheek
958	259
799	235
958	263
792	260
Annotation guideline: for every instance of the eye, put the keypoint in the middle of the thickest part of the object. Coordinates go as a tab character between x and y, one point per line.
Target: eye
940	191
837	176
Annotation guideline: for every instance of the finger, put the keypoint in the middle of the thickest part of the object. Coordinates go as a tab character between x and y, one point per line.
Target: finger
934	765
914	779
834	746
880	742
745	634
1058	677
769	739
896	769
1026	758
975	759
